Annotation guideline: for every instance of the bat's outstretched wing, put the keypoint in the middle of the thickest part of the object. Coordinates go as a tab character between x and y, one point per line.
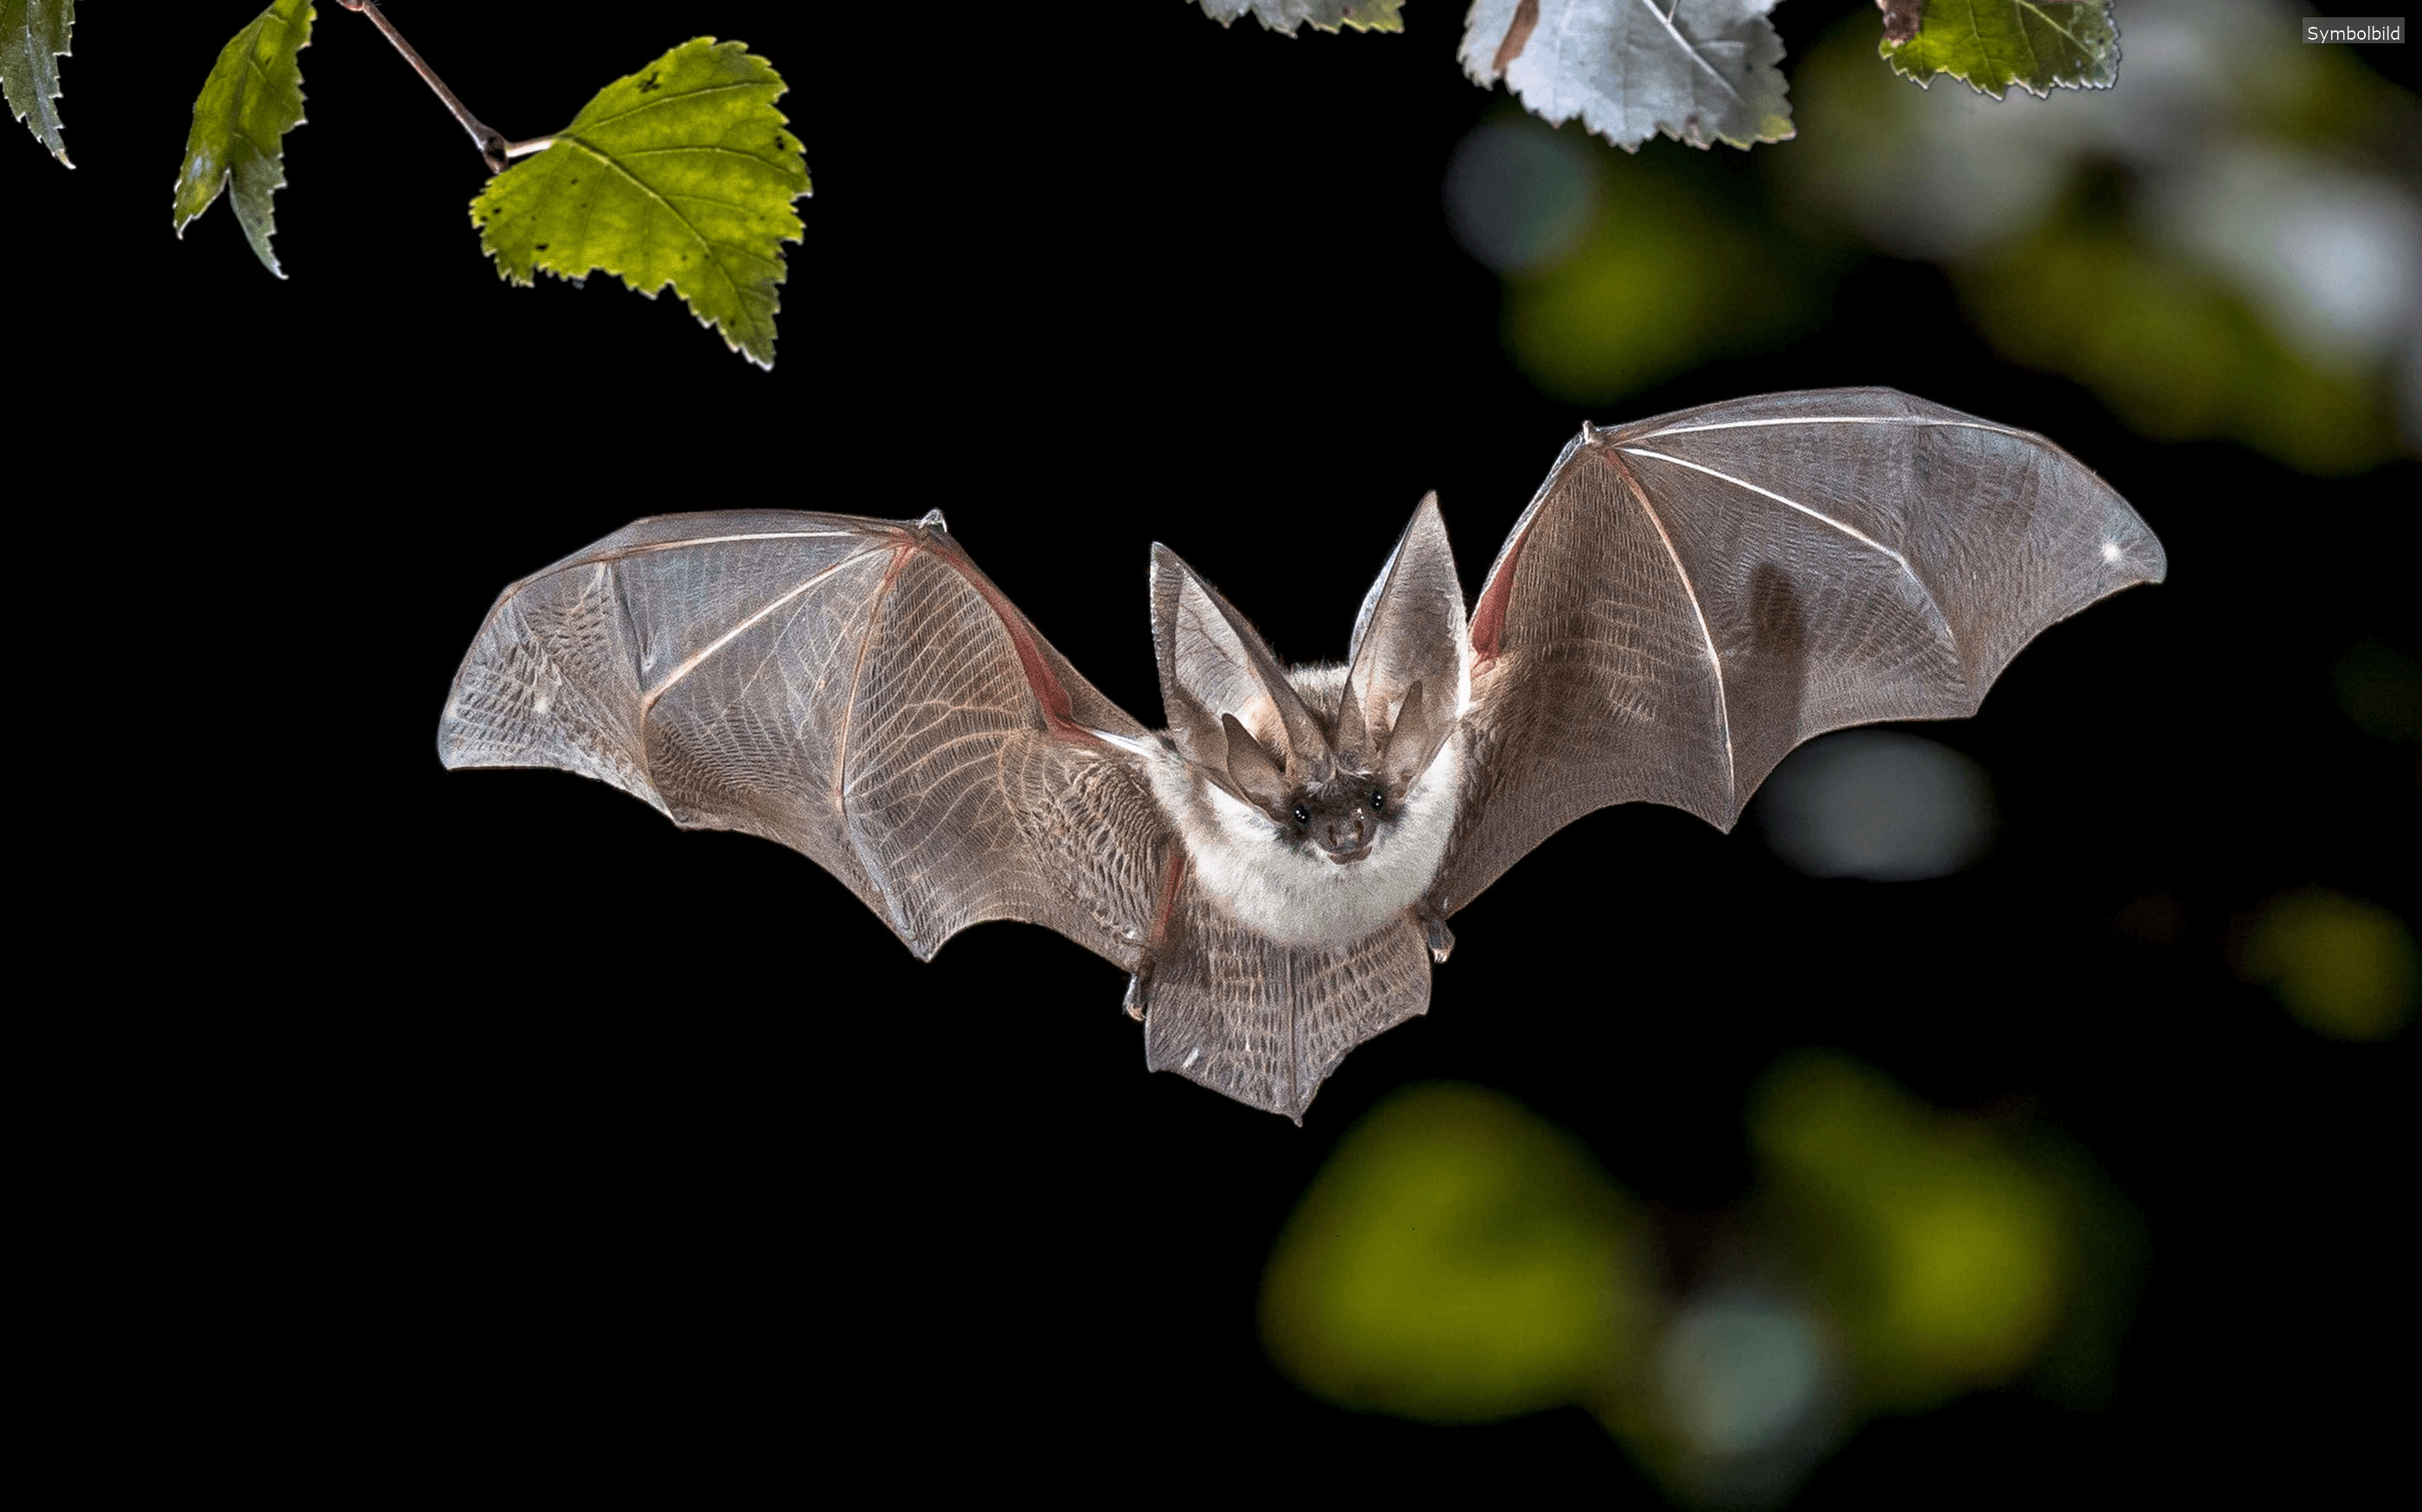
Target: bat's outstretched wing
855	689
1690	597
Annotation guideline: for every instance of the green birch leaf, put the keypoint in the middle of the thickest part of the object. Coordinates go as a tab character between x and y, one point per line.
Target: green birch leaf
252	99
2039	45
1324	15
33	37
681	174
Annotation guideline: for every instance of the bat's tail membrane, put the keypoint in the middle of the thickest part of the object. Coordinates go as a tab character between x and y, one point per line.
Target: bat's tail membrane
1266	1023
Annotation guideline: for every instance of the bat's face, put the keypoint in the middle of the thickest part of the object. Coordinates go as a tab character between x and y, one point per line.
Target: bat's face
1327	855
1339	819
1322	805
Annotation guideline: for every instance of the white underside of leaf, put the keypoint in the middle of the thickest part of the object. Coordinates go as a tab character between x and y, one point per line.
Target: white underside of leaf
1698	71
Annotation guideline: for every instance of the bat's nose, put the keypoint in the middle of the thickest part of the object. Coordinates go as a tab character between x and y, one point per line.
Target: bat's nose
1346	840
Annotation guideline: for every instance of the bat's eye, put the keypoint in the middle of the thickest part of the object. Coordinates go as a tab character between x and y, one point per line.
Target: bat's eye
1378	801
1302	814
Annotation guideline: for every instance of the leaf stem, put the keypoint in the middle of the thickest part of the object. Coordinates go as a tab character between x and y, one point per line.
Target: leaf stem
493	146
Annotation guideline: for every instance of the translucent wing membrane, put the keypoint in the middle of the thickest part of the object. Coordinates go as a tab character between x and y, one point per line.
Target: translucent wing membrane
1690	597
855	689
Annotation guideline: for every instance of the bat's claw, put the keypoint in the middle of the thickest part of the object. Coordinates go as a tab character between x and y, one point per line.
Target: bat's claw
1441	939
1139	996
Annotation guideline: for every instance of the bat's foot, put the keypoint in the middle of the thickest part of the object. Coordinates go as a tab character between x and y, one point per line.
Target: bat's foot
1441	939
1139	996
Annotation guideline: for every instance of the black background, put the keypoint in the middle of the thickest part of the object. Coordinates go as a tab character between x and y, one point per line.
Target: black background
485	1127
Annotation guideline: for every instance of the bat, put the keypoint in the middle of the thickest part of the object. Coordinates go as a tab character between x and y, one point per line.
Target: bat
1684	601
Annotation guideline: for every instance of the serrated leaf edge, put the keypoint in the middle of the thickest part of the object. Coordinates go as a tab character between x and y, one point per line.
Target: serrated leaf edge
1488	76
782	264
260	240
52	132
1289	30
1890	51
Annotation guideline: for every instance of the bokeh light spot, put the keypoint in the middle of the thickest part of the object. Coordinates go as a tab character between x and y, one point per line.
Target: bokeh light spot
1458	1259
2345	968
1519	195
1620	271
1742	1372
1880	805
1950	1258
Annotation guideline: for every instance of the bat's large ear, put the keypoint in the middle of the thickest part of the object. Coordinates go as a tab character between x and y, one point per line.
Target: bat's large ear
1212	663
1410	632
1250	767
1423	725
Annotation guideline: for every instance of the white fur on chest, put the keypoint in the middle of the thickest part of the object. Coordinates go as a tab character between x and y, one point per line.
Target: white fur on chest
1298	897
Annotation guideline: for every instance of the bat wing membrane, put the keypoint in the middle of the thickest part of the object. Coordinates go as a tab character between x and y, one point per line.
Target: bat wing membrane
1266	1023
855	689
1690	597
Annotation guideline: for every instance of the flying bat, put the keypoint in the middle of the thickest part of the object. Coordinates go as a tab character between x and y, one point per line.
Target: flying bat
1684	600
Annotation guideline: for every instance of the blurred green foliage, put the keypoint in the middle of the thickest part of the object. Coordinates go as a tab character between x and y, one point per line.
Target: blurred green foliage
2227	243
2345	968
1663	276
2172	348
1457	1260
1461	1259
1943	1251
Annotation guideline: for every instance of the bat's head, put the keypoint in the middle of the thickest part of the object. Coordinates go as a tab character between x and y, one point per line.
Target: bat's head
1333	756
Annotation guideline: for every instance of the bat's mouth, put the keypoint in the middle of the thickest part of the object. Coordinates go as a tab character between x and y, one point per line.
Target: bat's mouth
1348	857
